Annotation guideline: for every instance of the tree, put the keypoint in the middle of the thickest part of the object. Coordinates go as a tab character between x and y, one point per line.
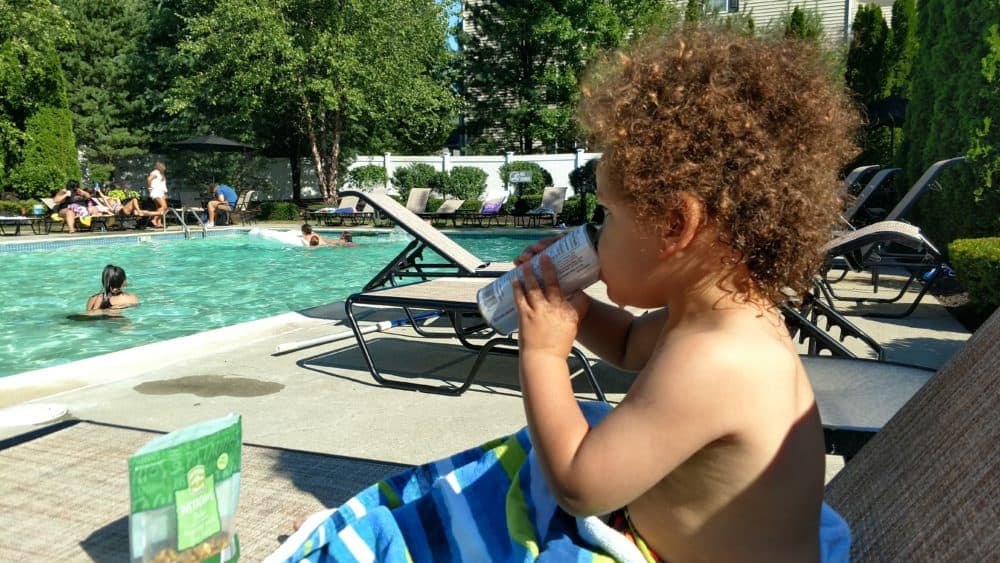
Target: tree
868	60
903	46
953	111
103	90
521	66
346	75
33	98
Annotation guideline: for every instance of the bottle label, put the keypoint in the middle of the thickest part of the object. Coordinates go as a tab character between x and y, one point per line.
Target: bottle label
575	259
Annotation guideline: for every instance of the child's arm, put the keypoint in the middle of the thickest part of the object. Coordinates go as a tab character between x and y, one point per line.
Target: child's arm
619	337
661	423
614	334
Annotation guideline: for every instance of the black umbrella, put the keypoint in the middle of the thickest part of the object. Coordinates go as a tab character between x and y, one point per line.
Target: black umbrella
212	143
890	112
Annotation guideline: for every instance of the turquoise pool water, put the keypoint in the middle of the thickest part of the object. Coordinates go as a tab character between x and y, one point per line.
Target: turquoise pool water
185	287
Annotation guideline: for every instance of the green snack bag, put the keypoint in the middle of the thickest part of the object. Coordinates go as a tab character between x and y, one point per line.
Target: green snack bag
185	487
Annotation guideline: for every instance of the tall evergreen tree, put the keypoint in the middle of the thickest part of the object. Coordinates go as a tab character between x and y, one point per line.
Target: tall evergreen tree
867	58
952	111
36	135
521	67
103	88
903	46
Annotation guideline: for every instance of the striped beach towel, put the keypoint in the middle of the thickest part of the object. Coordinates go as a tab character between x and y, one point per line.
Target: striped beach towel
488	503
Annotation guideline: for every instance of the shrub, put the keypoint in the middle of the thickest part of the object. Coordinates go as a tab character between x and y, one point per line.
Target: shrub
13	208
977	264
416	175
49	154
366	178
584	178
539	177
279	211
466	182
571	210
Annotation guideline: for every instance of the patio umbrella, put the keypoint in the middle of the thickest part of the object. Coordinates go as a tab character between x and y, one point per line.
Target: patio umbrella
212	143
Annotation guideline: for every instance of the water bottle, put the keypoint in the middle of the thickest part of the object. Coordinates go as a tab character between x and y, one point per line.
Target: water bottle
37	210
575	259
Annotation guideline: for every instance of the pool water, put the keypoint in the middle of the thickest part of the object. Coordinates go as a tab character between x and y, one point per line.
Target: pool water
185	287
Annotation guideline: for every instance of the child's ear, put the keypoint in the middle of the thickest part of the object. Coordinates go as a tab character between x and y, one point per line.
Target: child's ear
684	224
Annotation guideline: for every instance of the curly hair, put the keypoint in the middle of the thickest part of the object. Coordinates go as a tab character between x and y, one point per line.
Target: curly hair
756	130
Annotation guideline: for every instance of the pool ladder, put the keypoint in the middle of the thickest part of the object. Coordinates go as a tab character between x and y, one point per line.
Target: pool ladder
183	223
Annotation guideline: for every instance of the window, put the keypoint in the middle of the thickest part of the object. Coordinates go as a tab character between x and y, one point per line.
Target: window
724	6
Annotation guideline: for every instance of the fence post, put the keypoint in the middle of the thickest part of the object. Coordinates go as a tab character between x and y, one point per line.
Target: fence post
508	157
387	164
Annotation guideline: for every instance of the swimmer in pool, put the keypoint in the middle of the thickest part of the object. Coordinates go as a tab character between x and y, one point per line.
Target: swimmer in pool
113	295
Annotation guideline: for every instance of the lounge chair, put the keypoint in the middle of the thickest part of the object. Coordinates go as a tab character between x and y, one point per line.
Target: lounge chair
454	298
88	223
347	209
812	322
16	222
410	262
552	205
925	487
856	176
417	200
445	212
489	213
927	179
245	208
867	249
859	200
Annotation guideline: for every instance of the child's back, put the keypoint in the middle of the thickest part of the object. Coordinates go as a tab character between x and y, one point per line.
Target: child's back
719	184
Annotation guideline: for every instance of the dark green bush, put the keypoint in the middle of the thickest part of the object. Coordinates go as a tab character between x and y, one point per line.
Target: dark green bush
977	265
584	178
279	211
12	208
416	175
571	210
466	182
49	155
539	177
365	178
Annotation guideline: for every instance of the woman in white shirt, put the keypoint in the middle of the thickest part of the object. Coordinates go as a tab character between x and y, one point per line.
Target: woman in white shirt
157	184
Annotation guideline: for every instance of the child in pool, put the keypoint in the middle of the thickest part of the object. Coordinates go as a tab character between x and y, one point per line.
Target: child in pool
113	295
719	184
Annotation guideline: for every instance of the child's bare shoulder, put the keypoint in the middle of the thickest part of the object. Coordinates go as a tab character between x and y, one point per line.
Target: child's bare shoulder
726	366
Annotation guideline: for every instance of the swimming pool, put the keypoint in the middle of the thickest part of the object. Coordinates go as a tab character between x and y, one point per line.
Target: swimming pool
185	287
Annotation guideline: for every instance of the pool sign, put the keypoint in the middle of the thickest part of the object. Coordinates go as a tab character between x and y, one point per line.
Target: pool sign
520	177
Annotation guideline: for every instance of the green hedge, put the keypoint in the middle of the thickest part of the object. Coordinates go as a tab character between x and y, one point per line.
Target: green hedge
977	265
12	208
540	177
279	211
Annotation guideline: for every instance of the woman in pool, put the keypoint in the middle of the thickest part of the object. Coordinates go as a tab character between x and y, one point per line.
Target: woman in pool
113	296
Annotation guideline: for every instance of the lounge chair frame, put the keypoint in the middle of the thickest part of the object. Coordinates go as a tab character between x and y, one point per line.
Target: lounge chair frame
455	299
868	249
410	262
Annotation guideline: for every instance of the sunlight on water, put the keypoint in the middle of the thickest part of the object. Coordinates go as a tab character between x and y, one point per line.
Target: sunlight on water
185	287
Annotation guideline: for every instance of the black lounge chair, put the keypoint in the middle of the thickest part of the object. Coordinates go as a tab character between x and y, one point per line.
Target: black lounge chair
410	262
869	248
454	298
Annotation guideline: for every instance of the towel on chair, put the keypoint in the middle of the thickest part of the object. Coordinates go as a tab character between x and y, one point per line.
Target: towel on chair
488	503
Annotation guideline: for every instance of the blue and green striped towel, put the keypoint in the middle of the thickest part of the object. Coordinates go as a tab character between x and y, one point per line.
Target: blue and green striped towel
488	503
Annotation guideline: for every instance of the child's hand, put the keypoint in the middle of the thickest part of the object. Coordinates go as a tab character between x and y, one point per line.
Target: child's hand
547	320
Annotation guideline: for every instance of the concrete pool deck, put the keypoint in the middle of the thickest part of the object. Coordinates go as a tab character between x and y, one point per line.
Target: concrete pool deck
322	399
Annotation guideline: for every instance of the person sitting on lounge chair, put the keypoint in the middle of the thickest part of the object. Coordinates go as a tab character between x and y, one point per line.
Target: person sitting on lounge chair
114	206
112	296
719	183
223	199
72	202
